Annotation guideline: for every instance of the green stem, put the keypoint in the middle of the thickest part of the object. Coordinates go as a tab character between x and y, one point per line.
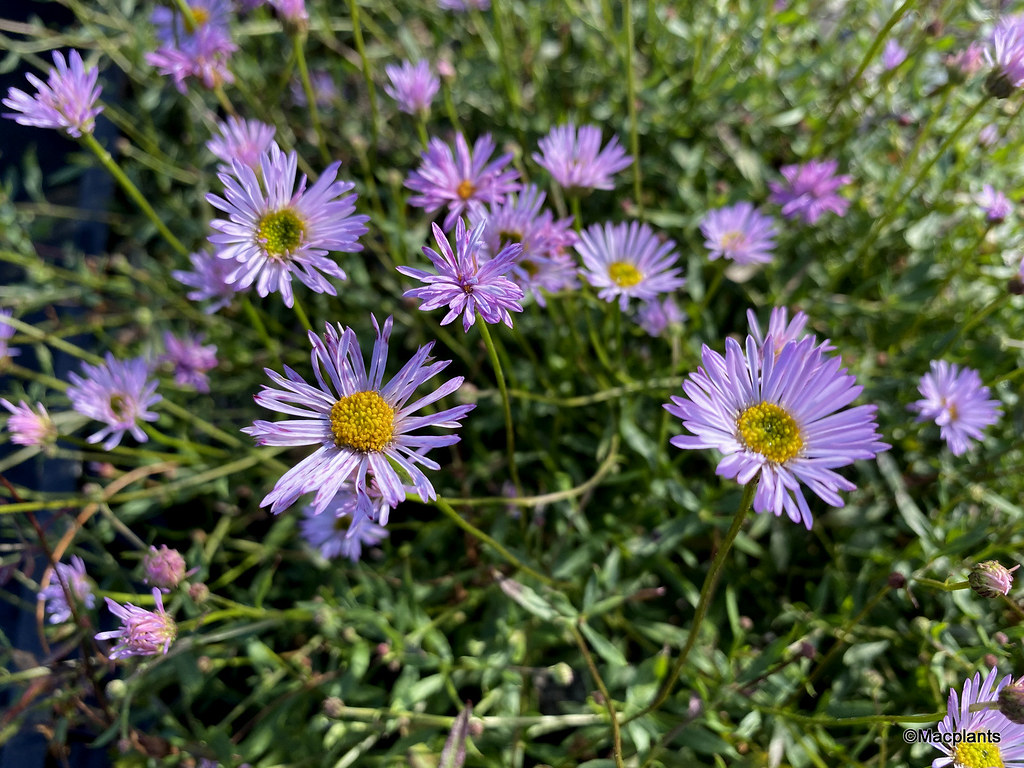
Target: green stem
706	593
133	192
301	313
299	41
357	34
613	717
510	440
992	306
943	585
634	131
475	532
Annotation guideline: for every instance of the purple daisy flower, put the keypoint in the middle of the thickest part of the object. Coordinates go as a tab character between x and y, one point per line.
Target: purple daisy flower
241	140
346	526
782	330
67	100
576	161
955	399
413	86
364	429
463	5
466	281
810	190
655	316
276	231
1006	56
142	632
969	61
210	280
201	51
739	233
6	332
628	261
780	419
164	567
116	392
995	204
1004	740
291	11
77	583
893	54
28	427
191	360
461	180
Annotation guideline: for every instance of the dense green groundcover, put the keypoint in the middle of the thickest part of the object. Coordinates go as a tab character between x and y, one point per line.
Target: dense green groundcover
564	608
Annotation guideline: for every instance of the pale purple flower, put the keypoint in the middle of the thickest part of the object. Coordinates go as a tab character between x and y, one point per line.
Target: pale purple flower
28	427
67	100
628	261
346	525
990	579
893	54
292	11
413	86
202	51
655	316
142	632
1003	744
325	90
117	393
809	190
994	203
363	429
576	160
988	136
276	231
739	233
955	399
77	584
6	332
164	567
241	140
461	180
782	330
968	61
780	420
554	273
190	359
463	5
466	281
1006	56
210	280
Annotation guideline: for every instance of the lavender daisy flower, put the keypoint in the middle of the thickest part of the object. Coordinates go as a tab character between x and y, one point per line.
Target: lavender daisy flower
325	90
164	567
117	393
739	233
782	330
967	62
191	360
364	429
655	316
142	632
463	5
413	86
6	332
988	136
995	204
28	427
1006	57
465	282
292	12
893	54
201	51
77	583
986	736
241	140
210	280
345	527
276	231
955	399
782	420
576	161
628	261
810	190
67	100
461	180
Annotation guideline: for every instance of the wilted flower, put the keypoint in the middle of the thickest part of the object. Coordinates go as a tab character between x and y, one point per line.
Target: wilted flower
739	233
241	140
276	231
779	419
210	280
165	568
955	400
364	429
191	360
142	632
77	583
893	54
994	203
990	579
461	180
809	190
466	281
576	161
116	392
28	427
66	100
628	261
344	528
413	86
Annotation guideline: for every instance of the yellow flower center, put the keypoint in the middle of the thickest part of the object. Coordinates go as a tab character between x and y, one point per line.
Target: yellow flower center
201	15
530	267
769	430
624	274
506	237
979	754
117	406
280	232
732	240
465	189
363	422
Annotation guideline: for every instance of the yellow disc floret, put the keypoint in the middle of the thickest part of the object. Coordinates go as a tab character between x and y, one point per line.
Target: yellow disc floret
769	430
979	754
280	232
733	240
363	422
624	274
465	189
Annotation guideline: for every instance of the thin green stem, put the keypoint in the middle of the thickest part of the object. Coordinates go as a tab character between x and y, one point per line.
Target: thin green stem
133	192
301	314
945	586
510	440
299	42
613	717
992	306
706	593
357	34
634	130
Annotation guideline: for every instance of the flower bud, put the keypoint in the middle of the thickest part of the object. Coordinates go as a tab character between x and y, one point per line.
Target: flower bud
165	568
561	673
1011	701
990	579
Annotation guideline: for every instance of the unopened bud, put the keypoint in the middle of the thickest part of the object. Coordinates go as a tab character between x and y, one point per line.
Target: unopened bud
990	579
1011	701
897	580
165	568
561	673
199	592
333	706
